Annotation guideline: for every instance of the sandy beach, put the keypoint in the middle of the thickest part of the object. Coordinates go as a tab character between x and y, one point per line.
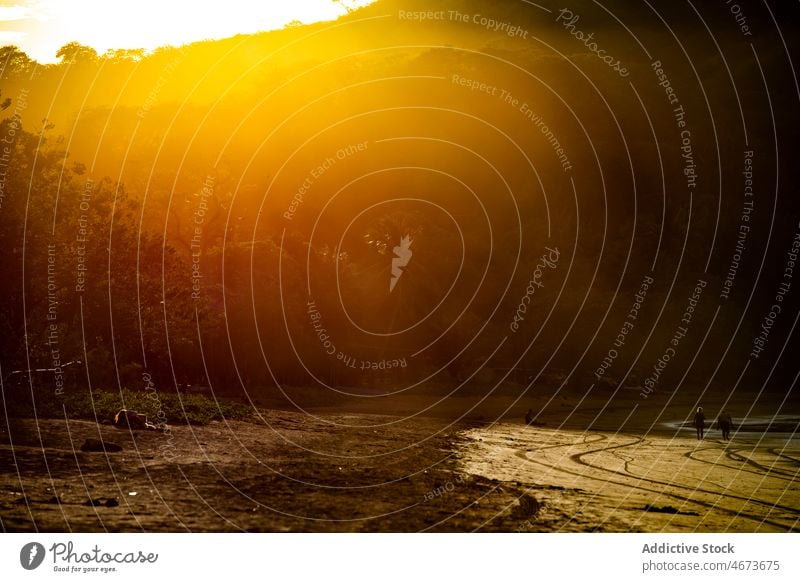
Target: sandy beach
291	473
362	472
602	481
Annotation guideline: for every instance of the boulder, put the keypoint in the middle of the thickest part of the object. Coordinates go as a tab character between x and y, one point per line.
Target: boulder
132	420
98	446
102	501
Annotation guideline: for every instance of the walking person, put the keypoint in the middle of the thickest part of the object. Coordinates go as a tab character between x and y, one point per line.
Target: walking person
700	422
725	423
529	417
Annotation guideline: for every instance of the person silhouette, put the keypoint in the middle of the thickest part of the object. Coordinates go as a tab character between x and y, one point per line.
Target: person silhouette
700	422
725	423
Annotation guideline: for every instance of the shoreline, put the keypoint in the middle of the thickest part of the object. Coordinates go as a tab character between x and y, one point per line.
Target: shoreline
626	482
348	471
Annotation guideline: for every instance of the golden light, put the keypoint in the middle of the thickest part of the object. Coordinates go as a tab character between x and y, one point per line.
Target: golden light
41	27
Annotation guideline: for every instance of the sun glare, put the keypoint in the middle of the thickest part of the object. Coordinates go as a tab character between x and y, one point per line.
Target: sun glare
41	27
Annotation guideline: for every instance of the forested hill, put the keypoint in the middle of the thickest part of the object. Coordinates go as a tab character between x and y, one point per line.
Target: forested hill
208	213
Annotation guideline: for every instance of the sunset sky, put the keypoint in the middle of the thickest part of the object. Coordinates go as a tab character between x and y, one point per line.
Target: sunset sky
41	27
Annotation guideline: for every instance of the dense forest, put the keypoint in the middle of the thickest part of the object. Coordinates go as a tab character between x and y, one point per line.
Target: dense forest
231	213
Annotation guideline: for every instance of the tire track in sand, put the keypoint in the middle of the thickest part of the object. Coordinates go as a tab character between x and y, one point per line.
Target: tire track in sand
577	458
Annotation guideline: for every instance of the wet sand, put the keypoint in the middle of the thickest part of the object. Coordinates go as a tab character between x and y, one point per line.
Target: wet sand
652	483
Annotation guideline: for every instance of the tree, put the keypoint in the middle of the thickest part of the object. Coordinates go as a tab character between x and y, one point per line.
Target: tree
75	53
124	54
14	62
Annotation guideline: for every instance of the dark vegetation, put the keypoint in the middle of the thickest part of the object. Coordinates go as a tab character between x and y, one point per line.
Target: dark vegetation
102	405
114	157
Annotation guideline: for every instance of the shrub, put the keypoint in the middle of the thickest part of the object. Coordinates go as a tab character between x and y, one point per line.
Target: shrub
101	406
